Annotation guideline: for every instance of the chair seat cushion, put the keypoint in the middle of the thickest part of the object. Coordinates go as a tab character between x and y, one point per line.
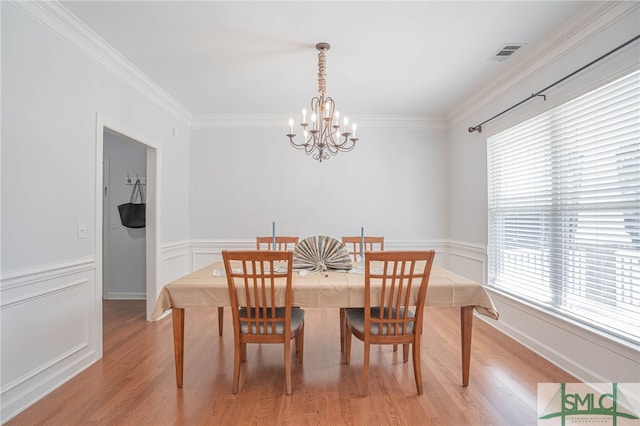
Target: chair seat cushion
297	318
355	316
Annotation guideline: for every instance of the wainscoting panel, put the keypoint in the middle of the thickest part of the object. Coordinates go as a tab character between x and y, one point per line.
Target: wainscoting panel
49	331
204	253
441	248
175	261
468	260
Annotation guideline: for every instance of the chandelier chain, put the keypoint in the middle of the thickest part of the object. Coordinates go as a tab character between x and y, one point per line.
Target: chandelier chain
322	71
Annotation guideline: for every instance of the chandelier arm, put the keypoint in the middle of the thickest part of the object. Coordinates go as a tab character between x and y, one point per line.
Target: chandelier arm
311	145
347	148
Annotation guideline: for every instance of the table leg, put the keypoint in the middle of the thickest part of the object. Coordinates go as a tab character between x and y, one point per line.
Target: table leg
343	327
177	315
220	319
466	325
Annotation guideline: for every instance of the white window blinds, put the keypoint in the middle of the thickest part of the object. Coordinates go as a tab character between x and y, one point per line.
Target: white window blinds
564	209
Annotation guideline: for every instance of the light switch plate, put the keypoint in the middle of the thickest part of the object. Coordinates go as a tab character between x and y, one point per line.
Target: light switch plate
82	230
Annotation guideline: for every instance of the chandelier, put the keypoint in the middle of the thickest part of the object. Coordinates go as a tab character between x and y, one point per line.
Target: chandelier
323	136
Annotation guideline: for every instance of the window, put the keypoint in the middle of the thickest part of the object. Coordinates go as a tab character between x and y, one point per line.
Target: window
564	209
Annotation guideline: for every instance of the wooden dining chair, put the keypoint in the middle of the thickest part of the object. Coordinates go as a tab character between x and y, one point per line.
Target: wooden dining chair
260	293
395	289
370	244
282	243
353	247
263	243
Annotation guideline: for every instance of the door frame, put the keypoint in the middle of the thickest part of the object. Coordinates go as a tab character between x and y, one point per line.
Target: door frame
104	123
105	213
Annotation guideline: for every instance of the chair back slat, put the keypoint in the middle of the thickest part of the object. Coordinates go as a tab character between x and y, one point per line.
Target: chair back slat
394	297
370	244
259	285
264	278
283	243
396	283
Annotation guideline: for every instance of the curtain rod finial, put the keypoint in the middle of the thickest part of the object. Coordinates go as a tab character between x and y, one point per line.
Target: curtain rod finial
478	128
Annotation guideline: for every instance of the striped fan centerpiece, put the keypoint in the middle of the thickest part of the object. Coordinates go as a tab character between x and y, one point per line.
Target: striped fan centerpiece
321	253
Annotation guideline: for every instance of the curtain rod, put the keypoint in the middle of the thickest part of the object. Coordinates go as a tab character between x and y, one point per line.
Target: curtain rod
540	93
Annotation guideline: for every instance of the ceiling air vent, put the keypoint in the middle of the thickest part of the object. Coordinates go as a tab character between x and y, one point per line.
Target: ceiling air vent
506	51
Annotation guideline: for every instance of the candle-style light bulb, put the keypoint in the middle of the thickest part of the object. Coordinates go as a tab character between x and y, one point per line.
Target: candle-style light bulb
346	124
337	116
304	115
354	127
290	125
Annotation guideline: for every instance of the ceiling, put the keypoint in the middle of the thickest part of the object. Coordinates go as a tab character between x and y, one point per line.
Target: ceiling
418	58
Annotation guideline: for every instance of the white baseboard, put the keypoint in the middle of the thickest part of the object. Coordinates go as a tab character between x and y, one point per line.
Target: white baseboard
126	296
587	354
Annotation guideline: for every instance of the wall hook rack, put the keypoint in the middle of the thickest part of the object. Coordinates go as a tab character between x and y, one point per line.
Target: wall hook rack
132	181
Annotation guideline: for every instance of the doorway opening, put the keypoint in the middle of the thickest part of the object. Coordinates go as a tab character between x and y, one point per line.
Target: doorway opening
107	129
124	248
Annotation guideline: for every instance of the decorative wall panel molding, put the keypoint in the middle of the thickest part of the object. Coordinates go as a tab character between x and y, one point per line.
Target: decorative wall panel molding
468	260
174	261
49	332
205	252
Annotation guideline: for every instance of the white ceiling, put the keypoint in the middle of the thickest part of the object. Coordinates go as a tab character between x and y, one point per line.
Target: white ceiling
419	58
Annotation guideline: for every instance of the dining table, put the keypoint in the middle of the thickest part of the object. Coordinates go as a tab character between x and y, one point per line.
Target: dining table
207	288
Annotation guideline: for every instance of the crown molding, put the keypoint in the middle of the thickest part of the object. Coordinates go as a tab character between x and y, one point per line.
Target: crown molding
552	49
57	19
401	122
212	121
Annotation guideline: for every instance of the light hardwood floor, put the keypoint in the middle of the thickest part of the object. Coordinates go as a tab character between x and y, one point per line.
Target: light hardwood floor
134	383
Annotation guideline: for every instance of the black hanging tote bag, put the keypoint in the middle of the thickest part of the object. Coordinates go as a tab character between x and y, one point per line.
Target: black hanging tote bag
133	214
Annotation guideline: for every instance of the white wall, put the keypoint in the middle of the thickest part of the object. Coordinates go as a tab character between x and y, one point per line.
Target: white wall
393	184
582	352
124	254
50	292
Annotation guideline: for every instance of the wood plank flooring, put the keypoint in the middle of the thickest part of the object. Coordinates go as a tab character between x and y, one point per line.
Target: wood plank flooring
134	383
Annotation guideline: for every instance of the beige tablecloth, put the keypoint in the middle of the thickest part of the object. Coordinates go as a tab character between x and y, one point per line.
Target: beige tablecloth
335	290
